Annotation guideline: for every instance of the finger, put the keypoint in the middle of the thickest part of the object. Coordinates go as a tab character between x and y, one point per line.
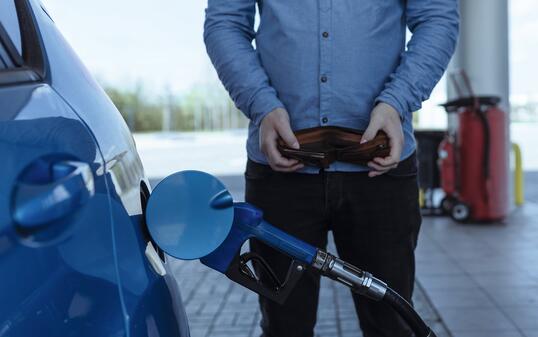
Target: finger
386	162
377	167
293	168
284	130
269	148
289	169
371	131
373	174
396	145
391	161
275	158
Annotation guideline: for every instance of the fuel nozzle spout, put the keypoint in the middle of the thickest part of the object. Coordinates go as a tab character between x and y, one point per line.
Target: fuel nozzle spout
359	281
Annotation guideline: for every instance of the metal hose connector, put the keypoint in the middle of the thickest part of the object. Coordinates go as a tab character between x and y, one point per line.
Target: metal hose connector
358	280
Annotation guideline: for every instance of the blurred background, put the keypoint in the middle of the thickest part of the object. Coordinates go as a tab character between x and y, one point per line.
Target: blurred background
151	60
473	279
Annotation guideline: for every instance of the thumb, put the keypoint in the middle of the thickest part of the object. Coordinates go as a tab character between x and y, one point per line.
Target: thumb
370	132
284	130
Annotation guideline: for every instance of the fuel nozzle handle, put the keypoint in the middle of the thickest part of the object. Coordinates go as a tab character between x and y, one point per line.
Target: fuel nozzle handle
363	283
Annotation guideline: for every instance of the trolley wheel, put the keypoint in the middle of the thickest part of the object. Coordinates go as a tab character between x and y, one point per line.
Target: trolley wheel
447	203
460	212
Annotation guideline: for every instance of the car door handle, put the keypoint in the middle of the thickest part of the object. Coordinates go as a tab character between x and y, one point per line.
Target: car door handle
36	204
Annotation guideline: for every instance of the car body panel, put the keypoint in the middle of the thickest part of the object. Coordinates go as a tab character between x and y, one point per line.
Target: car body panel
93	278
49	281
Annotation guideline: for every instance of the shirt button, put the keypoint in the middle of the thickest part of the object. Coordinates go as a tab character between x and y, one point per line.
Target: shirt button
325	120
323	79
325	34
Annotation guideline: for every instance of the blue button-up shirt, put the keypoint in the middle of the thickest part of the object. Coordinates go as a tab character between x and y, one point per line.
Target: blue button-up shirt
328	62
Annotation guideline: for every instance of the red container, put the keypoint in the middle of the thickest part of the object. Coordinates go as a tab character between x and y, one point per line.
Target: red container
484	163
473	162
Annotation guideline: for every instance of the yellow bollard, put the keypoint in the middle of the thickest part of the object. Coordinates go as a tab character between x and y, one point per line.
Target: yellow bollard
518	178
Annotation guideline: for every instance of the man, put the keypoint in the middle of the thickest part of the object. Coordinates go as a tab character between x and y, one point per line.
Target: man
334	63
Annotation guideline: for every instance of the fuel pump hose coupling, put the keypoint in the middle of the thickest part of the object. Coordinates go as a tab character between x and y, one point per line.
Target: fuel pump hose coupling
358	280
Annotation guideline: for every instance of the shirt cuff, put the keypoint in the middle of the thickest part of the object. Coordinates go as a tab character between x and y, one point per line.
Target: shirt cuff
394	102
264	103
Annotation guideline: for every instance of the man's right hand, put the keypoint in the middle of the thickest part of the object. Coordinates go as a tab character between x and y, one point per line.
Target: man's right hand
275	125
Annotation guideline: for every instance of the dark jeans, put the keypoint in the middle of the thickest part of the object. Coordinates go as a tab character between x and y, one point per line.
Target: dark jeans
375	223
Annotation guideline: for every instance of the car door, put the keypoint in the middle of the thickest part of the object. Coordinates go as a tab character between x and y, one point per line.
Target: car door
57	261
149	291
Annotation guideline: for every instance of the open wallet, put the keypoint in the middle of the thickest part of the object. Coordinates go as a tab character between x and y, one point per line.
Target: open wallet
321	146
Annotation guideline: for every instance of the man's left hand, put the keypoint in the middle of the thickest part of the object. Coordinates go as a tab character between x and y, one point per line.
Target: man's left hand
385	117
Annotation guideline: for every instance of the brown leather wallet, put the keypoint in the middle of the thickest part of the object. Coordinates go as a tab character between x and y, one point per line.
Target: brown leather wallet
321	146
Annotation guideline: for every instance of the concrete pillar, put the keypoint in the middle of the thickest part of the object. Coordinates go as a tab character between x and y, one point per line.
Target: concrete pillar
483	52
483	49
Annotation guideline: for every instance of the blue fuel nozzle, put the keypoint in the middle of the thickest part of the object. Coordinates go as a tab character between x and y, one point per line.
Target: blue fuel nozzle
191	215
248	224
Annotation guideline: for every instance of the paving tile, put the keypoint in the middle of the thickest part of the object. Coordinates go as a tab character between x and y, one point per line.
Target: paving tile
475	319
451	282
460	298
199	331
245	319
505	333
489	265
515	296
225	318
229	331
431	255
200	321
524	316
256	332
435	268
351	334
494	281
349	325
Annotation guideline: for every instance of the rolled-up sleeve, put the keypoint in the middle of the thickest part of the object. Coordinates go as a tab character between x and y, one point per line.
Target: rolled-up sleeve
228	35
435	28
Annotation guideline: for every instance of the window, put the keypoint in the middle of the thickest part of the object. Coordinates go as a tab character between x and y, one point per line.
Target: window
10	36
10	22
21	52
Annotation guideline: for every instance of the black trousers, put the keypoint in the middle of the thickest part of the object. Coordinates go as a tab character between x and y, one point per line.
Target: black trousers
375	224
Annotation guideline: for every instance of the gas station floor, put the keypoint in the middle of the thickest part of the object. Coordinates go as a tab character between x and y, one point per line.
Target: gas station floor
482	279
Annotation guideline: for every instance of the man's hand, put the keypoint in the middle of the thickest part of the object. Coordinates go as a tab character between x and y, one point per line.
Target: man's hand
277	125
385	117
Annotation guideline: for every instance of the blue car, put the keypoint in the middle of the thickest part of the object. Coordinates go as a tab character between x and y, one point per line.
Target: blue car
76	258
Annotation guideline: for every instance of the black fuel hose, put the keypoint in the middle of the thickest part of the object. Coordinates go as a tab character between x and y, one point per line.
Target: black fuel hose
408	314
